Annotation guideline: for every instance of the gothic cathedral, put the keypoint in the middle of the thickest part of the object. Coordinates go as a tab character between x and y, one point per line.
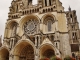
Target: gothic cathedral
42	30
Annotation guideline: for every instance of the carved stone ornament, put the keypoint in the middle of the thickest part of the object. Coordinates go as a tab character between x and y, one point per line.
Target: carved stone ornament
30	26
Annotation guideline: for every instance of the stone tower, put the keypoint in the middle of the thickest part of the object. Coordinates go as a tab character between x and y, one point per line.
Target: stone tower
36	31
74	32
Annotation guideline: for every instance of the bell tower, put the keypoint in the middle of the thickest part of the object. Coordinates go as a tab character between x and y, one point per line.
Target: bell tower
73	29
73	25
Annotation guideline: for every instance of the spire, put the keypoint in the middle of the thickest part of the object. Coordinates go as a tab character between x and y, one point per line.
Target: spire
69	8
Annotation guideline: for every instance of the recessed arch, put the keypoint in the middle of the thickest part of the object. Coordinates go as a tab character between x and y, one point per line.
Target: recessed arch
47	49
11	28
4	53
21	45
10	24
27	53
48	15
27	17
48	21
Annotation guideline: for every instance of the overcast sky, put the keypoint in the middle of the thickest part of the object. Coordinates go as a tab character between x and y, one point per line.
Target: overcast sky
4	9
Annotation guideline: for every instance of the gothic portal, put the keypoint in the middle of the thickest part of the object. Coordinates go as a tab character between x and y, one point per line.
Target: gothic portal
43	30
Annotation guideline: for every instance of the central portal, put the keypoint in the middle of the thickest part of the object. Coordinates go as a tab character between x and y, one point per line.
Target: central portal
27	53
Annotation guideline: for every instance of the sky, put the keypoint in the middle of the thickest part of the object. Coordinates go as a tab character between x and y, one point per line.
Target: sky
5	4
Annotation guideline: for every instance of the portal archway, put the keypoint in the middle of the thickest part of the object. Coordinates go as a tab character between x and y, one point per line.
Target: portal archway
46	51
4	54
24	50
27	53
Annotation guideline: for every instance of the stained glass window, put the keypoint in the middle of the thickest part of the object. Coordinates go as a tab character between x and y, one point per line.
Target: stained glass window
49	25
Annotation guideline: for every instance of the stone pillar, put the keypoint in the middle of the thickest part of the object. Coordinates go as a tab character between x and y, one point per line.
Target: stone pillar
47	2
6	31
13	42
35	40
37	44
39	41
43	2
36	54
11	57
56	25
17	30
41	27
10	44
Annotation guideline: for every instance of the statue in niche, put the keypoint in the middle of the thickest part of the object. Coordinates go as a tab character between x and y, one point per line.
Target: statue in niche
14	7
14	30
21	5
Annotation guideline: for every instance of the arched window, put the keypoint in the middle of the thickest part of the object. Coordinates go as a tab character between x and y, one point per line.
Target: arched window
14	29
49	23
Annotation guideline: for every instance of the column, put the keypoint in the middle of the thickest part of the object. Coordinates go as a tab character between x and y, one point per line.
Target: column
13	42
10	44
39	41
47	2
37	54
11	57
56	25
43	2
35	40
6	31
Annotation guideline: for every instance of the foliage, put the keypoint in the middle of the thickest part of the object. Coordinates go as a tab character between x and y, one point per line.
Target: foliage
52	58
55	58
69	58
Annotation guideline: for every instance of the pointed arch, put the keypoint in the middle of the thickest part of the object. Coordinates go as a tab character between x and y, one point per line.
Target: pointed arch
49	22
4	53
11	28
28	19
22	44
48	52
48	15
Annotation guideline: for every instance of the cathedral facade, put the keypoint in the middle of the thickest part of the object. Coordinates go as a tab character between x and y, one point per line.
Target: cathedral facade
43	30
